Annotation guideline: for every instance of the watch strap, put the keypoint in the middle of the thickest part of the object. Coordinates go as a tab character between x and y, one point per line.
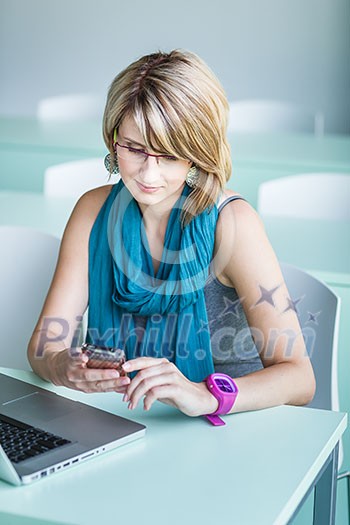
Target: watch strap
215	420
225	406
225	390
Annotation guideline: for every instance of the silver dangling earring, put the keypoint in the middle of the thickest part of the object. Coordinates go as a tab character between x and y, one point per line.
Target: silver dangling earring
192	177
107	162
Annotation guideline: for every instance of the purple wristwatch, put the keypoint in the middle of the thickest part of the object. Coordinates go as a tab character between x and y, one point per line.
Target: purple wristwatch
225	390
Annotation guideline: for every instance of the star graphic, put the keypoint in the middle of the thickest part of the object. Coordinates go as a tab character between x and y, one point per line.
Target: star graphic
213	321
231	307
204	327
292	305
266	296
313	317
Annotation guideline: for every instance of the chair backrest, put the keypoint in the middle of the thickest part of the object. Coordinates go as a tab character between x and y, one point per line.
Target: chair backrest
78	106
27	263
307	196
274	116
318	310
318	313
72	179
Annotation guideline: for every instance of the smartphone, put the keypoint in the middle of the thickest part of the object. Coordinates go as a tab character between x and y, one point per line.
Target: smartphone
104	357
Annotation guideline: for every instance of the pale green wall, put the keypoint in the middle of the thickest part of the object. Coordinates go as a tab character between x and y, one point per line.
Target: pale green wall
289	49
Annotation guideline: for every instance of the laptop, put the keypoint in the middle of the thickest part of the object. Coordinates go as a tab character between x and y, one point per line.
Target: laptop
42	433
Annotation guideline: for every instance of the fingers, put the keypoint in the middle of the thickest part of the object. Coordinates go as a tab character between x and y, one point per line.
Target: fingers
103	385
164	392
95	379
99	374
150	383
119	385
75	351
143	362
146	373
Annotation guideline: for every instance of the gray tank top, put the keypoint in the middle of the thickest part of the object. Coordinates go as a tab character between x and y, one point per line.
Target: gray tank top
233	348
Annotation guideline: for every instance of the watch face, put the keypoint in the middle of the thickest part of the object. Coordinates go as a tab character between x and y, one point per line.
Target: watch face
225	385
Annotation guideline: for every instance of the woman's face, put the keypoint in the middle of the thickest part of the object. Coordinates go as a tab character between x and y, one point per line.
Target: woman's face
149	180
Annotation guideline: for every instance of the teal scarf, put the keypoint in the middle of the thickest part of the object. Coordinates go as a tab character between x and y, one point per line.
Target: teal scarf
123	286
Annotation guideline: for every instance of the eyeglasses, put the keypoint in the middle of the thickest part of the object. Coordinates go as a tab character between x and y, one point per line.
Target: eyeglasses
139	156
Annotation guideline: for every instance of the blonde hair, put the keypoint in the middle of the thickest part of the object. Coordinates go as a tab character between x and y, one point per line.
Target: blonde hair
180	108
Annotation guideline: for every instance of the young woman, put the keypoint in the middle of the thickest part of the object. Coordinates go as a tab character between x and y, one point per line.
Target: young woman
175	269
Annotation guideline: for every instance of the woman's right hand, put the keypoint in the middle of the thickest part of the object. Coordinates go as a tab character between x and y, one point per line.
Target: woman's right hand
69	368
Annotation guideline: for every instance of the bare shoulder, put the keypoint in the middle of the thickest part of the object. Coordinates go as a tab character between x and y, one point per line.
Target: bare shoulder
92	201
77	232
237	216
226	194
240	238
87	208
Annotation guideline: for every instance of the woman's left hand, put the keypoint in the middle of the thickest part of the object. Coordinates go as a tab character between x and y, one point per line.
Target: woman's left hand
158	378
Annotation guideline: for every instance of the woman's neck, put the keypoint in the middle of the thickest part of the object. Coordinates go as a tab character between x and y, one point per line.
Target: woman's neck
156	216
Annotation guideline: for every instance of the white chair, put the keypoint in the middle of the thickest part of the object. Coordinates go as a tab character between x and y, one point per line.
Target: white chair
318	312
307	196
72	179
27	263
78	106
273	116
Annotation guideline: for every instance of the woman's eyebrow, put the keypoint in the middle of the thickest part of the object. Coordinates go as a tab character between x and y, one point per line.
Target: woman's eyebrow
132	141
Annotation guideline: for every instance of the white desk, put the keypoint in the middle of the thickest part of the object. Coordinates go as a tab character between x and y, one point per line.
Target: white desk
34	210
255	470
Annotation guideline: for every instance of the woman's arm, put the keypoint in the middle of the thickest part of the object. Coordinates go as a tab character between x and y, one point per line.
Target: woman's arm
245	260
51	350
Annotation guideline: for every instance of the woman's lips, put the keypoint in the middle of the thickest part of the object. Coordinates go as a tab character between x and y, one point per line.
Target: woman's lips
147	189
